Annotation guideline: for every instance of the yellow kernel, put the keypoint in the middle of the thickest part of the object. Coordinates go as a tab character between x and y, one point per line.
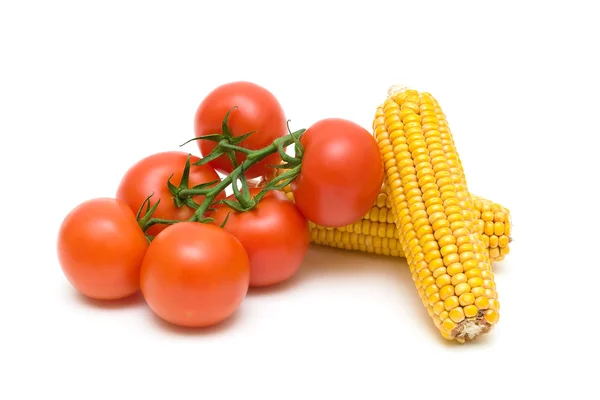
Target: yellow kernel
482	303
487	216
457	314
498	228
499	216
433	255
470	264
450	303
454	269
492	316
459	278
448	336
473	273
466	256
443	315
495	252
430	246
453	209
490	294
446	291
489	228
478	291
503	241
434	298
443	280
431	289
446	240
470	311
448	250
475	282
424	273
439	272
451	259
430	280
494	304
489	284
441	231
448	325
467	246
462	288
493	241
435	264
438	307
466	299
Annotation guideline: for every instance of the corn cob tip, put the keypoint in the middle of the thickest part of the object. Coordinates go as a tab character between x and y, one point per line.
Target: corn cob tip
469	329
398	88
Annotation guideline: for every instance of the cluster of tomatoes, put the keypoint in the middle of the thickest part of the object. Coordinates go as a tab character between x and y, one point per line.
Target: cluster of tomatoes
196	272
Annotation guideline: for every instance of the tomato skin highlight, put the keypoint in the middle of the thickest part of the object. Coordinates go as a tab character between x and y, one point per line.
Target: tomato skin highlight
275	235
257	110
150	175
195	274
101	248
341	175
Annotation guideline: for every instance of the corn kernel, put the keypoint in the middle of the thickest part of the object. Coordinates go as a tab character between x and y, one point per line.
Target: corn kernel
482	303
459	278
470	311
446	291
466	299
450	303
475	282
454	269
462	288
457	314
492	316
448	325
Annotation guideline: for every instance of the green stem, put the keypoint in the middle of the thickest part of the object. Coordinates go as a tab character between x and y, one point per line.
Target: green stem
228	146
252	158
156	221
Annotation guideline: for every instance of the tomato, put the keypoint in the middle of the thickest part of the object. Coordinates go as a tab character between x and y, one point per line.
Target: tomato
341	173
101	248
257	110
150	175
275	235
195	274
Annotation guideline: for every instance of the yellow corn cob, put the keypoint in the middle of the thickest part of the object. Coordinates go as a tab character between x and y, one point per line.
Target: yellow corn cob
435	215
376	232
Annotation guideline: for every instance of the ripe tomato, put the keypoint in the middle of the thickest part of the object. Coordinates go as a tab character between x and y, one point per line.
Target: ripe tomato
341	173
275	235
195	274
257	110
150	175
101	248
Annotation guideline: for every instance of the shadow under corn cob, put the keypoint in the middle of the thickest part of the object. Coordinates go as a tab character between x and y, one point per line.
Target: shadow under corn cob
435	215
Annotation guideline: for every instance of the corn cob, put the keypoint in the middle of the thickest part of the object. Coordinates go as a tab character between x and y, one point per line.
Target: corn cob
376	232
435	215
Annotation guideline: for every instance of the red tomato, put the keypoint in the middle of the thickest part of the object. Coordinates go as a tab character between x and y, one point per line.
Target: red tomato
275	235
150	175
341	175
257	110
195	274
101	248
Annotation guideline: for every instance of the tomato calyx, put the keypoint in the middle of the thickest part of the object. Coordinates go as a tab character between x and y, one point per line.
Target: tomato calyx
145	219
180	196
226	143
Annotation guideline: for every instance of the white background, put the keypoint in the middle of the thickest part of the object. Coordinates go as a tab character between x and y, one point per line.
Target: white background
87	89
